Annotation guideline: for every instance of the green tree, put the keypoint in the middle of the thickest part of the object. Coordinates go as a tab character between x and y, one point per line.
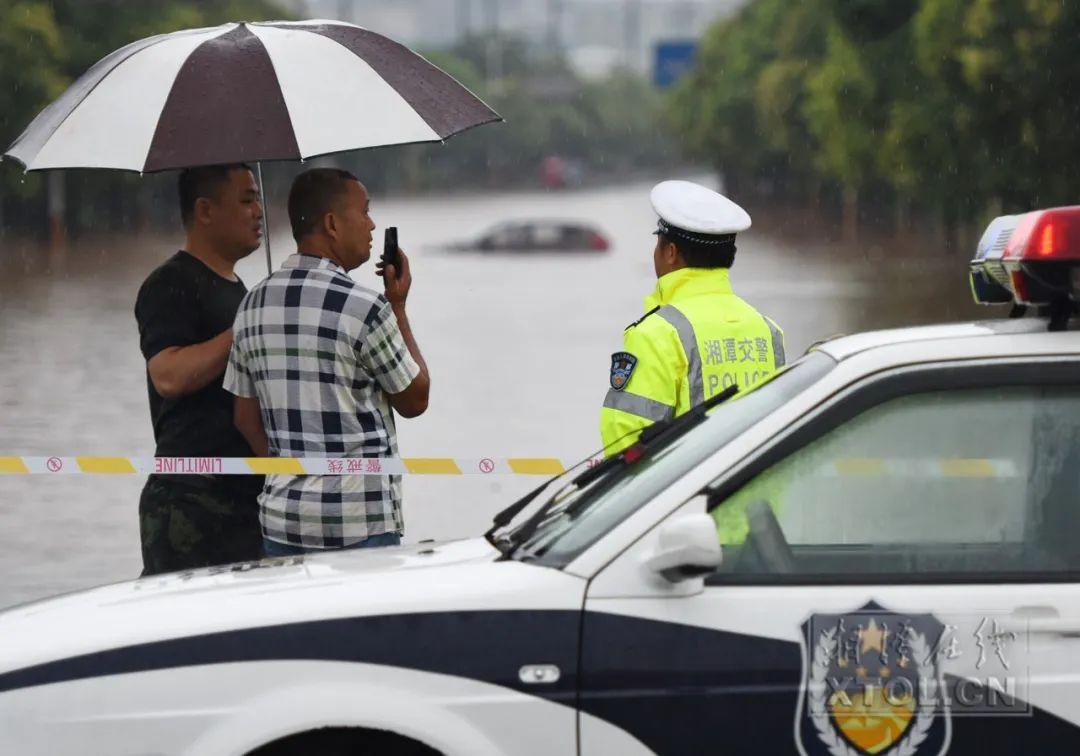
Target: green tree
44	46
712	109
949	106
31	74
1020	90
932	153
610	125
781	94
842	95
94	29
623	115
742	107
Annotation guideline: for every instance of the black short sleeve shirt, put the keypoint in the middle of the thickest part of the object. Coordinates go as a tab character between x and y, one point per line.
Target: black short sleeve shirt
184	302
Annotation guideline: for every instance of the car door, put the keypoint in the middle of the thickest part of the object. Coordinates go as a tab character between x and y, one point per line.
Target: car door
504	237
899	576
546	237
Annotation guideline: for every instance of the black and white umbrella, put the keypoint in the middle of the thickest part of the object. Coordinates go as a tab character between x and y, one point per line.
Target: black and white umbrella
247	92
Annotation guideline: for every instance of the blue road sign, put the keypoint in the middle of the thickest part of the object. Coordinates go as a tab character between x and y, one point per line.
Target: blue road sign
672	59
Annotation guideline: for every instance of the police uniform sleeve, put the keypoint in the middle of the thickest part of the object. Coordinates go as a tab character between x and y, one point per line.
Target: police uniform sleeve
648	394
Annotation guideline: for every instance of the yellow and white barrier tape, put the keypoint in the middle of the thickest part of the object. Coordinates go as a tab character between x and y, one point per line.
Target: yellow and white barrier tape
942	467
842	468
282	465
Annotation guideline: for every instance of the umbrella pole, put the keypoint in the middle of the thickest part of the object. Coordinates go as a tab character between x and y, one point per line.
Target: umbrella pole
266	216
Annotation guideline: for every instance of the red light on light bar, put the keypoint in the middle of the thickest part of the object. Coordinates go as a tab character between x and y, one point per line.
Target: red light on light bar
1051	235
1019	286
1046	241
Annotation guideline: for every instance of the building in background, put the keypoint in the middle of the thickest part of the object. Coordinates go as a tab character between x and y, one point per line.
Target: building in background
595	35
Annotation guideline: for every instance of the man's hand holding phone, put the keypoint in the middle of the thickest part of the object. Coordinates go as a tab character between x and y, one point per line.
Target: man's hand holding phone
394	269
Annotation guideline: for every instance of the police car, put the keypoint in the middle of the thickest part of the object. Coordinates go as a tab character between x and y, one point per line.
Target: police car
875	551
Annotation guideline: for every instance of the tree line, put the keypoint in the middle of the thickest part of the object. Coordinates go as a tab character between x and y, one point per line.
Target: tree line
44	47
956	109
606	126
603	128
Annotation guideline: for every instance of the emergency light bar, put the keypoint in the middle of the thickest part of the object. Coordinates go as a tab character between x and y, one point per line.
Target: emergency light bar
1030	259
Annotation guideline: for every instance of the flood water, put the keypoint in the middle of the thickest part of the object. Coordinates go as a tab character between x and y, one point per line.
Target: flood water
518	347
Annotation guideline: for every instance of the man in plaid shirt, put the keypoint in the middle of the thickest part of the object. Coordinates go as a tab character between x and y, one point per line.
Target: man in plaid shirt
317	363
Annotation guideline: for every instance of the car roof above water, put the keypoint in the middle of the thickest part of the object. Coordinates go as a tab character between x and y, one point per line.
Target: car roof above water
539	223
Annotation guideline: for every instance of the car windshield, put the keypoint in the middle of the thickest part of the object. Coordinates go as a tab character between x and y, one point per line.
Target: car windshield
581	516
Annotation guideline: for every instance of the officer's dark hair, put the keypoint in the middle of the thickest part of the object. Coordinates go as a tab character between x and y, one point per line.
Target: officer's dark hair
203	181
315	193
697	255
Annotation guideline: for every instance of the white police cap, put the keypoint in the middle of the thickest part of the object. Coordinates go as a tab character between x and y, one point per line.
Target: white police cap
692	212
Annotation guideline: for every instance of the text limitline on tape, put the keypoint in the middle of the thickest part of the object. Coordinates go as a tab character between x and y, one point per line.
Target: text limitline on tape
285	465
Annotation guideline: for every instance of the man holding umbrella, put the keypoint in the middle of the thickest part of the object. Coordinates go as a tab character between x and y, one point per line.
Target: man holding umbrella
185	310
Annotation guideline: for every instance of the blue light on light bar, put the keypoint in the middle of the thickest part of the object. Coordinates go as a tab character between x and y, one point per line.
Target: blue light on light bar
988	277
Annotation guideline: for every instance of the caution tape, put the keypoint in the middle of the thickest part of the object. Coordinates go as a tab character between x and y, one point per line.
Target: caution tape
283	466
945	467
842	468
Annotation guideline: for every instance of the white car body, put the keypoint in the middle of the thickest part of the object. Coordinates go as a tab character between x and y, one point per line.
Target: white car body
467	652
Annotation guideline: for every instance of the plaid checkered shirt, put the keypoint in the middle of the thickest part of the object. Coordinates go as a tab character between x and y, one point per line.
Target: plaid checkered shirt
321	353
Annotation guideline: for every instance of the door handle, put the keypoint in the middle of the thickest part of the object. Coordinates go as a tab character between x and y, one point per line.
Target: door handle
1039	611
1043	620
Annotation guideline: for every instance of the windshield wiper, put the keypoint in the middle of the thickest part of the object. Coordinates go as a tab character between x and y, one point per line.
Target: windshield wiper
504	518
653	438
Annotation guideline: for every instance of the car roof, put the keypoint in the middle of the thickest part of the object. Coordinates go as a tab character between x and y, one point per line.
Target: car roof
539	222
1065	342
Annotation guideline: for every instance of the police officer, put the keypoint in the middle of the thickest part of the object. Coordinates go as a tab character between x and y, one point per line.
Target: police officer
696	337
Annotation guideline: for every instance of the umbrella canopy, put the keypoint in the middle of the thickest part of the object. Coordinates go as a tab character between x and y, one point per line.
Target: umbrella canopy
247	92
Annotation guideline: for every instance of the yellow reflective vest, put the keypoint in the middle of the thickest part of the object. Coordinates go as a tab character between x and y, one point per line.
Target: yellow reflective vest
696	339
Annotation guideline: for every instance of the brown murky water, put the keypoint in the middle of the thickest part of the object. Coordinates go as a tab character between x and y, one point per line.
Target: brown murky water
518	347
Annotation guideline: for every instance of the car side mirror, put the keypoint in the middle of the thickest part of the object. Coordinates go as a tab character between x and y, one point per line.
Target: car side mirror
686	547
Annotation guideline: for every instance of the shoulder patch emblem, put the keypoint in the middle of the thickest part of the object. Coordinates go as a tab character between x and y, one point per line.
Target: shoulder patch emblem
622	367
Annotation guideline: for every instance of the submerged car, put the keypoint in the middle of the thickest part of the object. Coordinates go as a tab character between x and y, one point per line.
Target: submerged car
539	236
873	551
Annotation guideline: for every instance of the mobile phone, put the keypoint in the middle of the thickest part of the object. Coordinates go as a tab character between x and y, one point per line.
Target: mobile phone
391	254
